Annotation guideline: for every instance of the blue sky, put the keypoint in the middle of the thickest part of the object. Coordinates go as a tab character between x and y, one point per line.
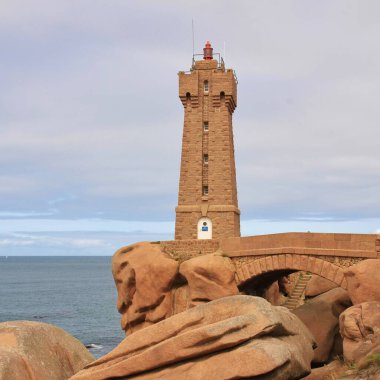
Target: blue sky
91	123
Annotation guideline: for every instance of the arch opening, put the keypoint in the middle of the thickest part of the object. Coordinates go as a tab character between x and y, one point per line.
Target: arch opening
204	228
265	265
282	279
257	285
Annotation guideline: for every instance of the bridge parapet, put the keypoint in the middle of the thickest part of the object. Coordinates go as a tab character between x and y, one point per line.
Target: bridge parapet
319	244
304	243
257	257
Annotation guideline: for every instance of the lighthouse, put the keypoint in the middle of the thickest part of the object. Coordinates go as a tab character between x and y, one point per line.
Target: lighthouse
207	198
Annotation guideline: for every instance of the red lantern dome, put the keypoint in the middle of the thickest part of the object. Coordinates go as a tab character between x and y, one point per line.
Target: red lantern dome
207	51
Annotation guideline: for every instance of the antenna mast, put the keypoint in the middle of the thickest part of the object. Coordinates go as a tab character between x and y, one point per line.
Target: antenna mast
192	29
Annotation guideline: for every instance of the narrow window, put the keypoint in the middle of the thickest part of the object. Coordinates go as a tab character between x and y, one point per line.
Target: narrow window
205	126
205	159
205	86
205	190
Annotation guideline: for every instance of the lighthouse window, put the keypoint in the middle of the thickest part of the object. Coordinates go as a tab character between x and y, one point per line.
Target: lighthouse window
205	158
205	190
205	86
205	126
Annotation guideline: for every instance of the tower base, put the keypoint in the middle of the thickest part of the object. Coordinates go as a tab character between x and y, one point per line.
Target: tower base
221	222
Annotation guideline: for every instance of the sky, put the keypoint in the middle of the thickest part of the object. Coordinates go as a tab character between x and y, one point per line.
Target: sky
91	123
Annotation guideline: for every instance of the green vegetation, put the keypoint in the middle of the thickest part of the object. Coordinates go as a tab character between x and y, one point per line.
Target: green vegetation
371	360
365	368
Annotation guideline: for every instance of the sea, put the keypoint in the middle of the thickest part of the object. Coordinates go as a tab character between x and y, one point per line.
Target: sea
77	294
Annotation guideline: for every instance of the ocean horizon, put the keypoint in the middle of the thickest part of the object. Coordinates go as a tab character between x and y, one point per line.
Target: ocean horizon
76	293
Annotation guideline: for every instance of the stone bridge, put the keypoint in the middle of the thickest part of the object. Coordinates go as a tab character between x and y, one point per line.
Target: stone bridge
263	258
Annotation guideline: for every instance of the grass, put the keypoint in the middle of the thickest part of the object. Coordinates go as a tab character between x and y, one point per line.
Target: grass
366	367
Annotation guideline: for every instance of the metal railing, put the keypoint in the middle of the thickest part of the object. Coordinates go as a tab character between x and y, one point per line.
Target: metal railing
220	60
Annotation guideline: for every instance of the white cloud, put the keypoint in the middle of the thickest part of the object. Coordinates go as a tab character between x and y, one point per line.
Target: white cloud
84	225
90	117
17	239
16	242
25	214
10	184
270	226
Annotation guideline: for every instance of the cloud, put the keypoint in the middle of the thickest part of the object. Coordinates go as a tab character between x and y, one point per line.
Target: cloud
90	119
20	240
67	243
16	242
271	226
14	184
25	214
85	225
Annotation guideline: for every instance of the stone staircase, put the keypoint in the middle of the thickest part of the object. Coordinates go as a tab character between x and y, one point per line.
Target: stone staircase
296	296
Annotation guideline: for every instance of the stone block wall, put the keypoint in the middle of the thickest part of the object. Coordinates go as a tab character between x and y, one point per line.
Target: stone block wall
218	174
328	244
225	223
182	250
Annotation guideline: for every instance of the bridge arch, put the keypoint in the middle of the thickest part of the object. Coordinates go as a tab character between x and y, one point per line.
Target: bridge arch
280	265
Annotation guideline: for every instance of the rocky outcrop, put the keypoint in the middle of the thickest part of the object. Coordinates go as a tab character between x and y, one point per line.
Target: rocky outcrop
360	329
32	350
285	285
230	338
209	277
273	295
144	278
318	285
151	286
363	281
321	316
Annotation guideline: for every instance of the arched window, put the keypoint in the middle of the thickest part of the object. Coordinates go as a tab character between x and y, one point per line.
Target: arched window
205	86
222	96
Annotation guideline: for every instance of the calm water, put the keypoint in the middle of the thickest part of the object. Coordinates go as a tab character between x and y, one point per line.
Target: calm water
75	293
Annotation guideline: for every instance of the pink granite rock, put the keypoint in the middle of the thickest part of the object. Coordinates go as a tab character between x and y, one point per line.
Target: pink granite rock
39	351
209	277
144	276
318	285
321	316
360	329
229	338
363	281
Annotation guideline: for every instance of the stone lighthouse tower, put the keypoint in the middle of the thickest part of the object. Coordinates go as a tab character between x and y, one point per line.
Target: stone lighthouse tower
207	199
